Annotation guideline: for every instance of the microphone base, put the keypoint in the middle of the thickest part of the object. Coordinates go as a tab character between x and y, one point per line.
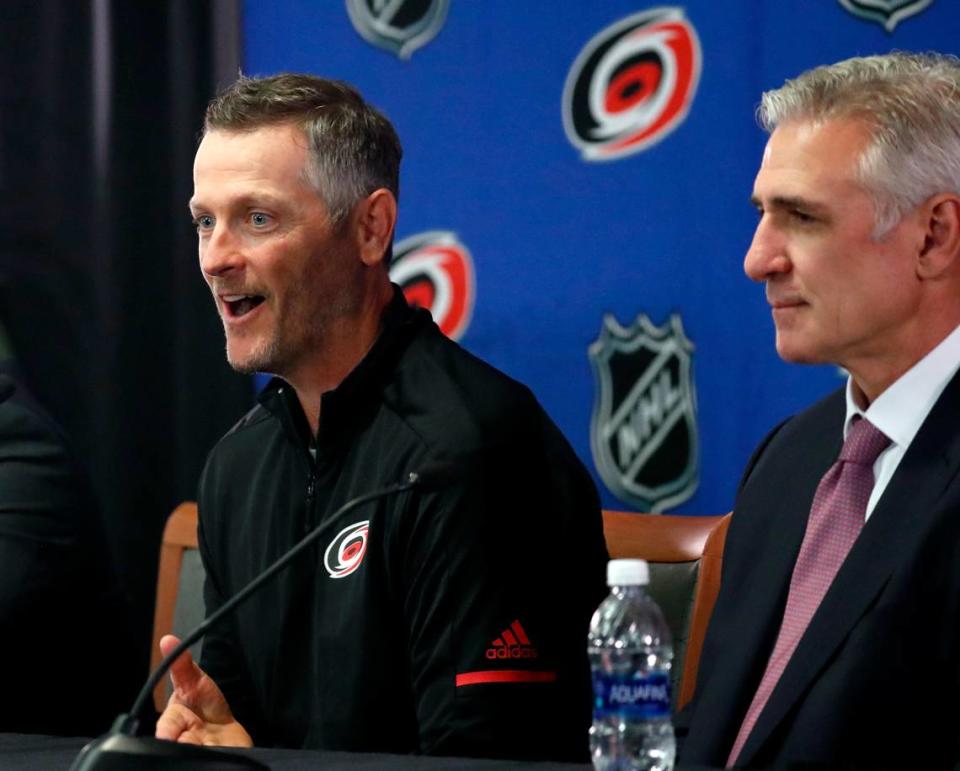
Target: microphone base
116	752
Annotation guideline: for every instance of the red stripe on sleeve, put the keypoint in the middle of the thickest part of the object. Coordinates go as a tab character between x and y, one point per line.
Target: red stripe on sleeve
505	676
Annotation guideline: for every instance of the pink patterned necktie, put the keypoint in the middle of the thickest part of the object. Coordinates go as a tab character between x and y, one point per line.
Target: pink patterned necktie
836	518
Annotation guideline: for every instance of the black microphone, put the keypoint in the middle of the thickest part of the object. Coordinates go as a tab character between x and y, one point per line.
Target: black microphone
121	748
434	475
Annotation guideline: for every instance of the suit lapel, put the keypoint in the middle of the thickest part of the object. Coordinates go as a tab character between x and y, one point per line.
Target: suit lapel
762	544
906	509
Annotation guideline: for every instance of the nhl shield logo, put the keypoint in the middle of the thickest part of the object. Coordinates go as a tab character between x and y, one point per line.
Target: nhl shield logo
399	26
889	13
643	433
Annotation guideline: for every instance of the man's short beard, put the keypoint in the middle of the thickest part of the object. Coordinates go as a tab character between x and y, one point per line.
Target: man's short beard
266	360
277	356
303	331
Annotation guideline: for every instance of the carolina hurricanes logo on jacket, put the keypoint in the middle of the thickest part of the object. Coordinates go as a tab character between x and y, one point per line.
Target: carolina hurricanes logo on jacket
345	552
632	84
435	272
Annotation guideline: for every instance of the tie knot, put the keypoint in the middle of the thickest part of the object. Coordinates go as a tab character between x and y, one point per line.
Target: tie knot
864	442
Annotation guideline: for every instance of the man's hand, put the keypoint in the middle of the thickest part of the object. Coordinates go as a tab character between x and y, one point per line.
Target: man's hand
197	712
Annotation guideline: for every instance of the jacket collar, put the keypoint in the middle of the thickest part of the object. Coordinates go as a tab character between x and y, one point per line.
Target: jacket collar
349	406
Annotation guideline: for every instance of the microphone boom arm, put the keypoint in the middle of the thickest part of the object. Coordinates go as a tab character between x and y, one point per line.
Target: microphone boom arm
128	724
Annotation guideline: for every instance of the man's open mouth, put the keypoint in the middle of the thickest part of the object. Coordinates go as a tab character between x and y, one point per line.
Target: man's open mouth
239	305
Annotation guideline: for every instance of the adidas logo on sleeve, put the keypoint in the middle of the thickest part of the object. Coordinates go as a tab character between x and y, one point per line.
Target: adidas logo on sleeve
512	643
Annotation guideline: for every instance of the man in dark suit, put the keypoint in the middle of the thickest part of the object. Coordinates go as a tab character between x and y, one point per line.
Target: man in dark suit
63	619
835	641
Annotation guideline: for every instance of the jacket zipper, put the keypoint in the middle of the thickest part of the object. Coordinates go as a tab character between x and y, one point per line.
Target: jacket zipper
308	520
311	492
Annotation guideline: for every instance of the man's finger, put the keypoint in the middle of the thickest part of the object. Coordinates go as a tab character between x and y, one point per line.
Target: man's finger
167	643
178	724
184	673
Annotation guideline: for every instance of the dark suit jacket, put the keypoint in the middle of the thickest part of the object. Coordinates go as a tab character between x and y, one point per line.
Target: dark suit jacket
66	663
875	680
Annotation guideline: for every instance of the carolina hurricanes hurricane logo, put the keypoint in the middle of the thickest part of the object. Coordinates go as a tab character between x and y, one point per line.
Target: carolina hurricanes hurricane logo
345	552
435	272
632	84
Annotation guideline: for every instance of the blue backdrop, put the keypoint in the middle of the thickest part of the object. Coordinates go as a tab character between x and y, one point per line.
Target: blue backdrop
571	162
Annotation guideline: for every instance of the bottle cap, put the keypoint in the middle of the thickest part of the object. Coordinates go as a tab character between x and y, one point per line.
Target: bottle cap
628	573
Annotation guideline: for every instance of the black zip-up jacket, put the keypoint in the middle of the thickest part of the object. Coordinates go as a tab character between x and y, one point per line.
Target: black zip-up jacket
449	622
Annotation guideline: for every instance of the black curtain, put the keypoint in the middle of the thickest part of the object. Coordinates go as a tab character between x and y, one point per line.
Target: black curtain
100	292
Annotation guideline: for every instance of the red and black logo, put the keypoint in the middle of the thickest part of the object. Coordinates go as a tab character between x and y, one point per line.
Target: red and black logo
435	272
632	84
345	552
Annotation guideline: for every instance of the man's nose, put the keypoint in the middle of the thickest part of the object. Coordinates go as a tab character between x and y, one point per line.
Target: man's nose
220	252
767	254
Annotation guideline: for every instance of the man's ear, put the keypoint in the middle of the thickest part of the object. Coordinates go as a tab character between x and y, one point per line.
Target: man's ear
375	217
940	217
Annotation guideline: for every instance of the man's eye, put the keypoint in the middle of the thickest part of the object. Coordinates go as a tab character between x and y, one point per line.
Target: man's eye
802	216
203	222
259	219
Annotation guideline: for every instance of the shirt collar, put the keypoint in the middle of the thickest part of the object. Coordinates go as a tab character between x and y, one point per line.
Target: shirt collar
901	409
348	404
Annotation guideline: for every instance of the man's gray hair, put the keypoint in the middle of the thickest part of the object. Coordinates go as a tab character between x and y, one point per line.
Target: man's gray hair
354	149
911	104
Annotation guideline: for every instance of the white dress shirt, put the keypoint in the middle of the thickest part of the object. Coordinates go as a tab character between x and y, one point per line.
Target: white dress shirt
901	409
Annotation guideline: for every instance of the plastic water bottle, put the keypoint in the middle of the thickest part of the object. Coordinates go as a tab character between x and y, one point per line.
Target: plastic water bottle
631	653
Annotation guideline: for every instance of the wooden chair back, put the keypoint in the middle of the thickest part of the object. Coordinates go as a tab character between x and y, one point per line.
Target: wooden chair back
664	539
179	535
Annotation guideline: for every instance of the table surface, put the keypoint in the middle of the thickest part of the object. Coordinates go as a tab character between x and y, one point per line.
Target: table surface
32	752
23	752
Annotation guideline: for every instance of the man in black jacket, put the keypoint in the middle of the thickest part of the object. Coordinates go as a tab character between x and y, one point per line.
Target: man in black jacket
56	577
446	622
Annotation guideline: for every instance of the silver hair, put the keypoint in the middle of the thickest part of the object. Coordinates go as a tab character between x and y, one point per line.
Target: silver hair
911	104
